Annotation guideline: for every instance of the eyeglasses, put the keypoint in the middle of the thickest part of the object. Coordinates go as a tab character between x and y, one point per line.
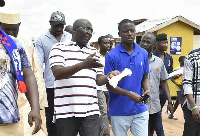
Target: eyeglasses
87	29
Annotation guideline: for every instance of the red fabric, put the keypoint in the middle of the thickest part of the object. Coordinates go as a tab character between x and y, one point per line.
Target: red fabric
8	44
22	87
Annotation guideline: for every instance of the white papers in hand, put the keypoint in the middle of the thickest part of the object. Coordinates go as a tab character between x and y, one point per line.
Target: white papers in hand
114	80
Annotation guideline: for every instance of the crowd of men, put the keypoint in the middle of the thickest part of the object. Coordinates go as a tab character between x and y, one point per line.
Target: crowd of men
68	78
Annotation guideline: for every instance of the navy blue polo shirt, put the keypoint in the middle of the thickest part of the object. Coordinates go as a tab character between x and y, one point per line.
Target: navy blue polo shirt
119	59
168	61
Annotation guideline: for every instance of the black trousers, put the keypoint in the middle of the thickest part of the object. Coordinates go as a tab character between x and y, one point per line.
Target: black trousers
152	123
49	112
190	125
86	126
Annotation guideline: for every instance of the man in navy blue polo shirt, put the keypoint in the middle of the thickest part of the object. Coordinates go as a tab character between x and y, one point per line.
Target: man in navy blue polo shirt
126	107
160	51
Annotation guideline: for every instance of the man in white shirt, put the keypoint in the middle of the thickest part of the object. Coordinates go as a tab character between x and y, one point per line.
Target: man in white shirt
77	71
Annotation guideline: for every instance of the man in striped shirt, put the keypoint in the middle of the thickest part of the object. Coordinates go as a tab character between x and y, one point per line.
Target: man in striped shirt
191	87
77	71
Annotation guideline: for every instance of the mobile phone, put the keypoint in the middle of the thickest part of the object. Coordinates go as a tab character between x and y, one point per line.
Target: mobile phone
145	97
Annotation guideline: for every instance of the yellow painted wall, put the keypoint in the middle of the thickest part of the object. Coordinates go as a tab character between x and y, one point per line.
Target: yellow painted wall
178	29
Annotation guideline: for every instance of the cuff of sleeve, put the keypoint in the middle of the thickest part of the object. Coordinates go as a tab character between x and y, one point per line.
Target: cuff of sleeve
187	89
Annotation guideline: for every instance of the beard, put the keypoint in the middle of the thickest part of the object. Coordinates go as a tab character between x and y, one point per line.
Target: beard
58	33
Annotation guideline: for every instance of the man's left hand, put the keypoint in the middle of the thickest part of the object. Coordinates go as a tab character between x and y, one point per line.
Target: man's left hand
146	92
170	108
196	114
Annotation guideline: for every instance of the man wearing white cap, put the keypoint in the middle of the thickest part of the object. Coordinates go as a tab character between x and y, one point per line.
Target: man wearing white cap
43	46
15	71
10	23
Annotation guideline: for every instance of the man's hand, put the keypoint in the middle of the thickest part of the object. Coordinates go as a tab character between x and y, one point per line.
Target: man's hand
34	116
135	97
176	76
92	62
147	92
170	108
113	73
196	114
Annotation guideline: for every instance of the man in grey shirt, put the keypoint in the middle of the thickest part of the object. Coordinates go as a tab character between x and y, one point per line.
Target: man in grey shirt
43	46
158	77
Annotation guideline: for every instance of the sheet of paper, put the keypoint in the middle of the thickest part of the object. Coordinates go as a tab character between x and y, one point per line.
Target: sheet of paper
114	80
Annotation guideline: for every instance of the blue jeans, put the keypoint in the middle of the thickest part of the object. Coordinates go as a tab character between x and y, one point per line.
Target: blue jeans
138	124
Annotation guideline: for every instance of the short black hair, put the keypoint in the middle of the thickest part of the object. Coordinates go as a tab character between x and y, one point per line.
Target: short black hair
181	58
161	37
151	34
2	3
123	22
109	36
101	38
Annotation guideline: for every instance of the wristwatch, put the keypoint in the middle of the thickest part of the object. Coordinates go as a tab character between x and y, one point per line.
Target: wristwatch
108	77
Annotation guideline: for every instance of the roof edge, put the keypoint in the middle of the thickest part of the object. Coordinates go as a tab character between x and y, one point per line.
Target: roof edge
173	20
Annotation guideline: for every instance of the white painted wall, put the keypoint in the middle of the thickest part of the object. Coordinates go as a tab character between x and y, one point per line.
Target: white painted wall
196	41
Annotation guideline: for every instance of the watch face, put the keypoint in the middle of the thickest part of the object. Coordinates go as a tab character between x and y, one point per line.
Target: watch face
108	77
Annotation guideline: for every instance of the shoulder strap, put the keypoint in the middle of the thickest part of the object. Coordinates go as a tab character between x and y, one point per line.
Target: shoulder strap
13	52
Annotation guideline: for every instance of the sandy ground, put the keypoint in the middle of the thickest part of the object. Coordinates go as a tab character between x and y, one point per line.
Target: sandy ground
171	127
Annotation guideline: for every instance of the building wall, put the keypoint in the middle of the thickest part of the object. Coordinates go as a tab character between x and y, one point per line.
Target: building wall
178	29
196	41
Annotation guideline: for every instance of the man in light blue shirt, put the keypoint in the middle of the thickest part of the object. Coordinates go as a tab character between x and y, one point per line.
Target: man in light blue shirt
43	46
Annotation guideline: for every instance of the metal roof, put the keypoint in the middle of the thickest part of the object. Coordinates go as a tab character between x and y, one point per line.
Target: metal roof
154	25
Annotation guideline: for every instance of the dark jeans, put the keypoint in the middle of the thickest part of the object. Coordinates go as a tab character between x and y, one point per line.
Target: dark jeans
159	126
197	133
152	123
190	126
163	99
89	126
49	112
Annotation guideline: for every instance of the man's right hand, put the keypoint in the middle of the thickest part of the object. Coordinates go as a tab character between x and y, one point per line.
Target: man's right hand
91	62
135	97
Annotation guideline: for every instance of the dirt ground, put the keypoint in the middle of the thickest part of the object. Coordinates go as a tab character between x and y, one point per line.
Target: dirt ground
171	127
